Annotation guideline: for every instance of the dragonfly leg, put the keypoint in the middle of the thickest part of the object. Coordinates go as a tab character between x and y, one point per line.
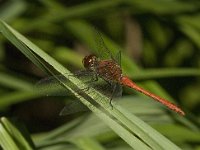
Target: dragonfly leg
93	79
113	91
81	73
110	102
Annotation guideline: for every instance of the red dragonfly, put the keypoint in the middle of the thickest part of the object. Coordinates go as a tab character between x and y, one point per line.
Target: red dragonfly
108	68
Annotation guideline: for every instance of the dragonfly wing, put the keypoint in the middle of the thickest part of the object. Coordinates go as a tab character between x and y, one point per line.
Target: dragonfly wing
50	86
111	90
73	107
118	90
118	58
101	49
53	85
103	87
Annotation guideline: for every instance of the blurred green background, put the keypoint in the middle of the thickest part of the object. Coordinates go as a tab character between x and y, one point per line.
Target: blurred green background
160	44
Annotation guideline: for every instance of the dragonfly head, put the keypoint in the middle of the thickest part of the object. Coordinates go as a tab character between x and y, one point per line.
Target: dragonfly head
89	62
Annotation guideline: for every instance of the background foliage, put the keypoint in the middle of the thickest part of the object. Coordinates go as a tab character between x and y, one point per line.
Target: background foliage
160	42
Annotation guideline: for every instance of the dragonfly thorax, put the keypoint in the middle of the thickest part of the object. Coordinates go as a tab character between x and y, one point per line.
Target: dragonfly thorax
90	62
109	70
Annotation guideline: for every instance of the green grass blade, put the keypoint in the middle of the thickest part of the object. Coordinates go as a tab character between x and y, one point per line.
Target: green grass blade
31	50
146	130
11	137
116	119
87	143
6	140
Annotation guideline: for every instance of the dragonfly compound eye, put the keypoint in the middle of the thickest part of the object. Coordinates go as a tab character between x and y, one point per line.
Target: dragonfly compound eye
89	62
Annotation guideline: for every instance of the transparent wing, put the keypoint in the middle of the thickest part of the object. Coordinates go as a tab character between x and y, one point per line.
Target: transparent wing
117	90
106	89
102	50
118	58
50	86
111	90
72	107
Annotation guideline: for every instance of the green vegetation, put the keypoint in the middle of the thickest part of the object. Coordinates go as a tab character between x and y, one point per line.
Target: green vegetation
162	36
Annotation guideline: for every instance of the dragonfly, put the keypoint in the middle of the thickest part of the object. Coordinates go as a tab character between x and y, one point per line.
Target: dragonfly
106	67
